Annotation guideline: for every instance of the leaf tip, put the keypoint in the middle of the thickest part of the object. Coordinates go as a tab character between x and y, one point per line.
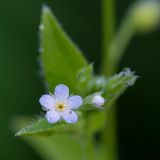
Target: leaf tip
18	134
46	9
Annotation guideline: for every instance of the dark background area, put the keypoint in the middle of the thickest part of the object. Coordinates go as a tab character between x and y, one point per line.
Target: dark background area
138	113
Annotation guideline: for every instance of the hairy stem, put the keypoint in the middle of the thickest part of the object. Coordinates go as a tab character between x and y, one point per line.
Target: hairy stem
113	49
118	46
108	27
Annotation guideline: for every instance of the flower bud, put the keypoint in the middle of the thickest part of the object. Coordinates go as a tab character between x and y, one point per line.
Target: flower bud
98	101
146	15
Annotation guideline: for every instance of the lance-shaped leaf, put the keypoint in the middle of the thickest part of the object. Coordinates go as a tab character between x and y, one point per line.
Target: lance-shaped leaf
110	88
49	147
43	128
117	84
60	58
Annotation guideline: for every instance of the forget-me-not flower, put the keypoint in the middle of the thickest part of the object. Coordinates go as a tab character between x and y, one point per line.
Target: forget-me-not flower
60	105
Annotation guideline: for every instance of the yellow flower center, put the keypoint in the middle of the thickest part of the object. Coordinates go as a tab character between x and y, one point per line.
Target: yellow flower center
60	106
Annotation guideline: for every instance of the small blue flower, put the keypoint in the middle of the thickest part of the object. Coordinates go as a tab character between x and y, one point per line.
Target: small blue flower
60	105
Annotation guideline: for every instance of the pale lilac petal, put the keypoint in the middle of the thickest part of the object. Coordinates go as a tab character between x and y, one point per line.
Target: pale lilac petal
53	116
61	92
70	116
98	101
47	101
74	102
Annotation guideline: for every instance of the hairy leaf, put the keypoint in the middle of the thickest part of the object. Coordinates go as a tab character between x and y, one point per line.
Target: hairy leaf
117	84
53	146
43	128
60	58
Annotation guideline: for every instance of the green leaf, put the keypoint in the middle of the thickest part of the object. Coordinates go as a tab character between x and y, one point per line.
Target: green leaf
60	58
42	128
51	147
117	84
84	77
110	88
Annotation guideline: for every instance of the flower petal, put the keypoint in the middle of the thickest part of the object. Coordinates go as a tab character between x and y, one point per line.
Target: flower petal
74	102
52	116
61	92
70	116
98	101
47	101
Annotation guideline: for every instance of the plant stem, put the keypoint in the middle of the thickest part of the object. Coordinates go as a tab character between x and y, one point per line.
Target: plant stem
109	137
90	148
108	26
117	47
112	51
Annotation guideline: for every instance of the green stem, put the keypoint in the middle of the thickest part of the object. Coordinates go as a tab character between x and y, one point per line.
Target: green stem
113	49
90	148
109	137
117	47
108	26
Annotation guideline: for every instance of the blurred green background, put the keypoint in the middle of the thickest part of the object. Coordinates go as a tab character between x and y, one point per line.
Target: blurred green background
138	113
